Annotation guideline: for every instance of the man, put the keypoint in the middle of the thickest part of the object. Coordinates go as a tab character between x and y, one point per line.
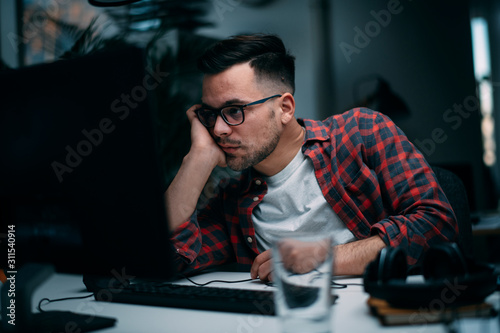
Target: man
355	174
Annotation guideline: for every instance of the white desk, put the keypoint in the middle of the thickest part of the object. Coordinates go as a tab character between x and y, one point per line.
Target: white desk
350	314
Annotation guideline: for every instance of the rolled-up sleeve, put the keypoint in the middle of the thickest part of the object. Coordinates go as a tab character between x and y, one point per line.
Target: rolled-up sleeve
420	213
202	241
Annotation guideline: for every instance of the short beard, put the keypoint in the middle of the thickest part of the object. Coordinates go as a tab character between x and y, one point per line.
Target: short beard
258	156
254	159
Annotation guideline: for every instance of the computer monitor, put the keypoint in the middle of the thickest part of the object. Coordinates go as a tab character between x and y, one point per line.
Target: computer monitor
80	181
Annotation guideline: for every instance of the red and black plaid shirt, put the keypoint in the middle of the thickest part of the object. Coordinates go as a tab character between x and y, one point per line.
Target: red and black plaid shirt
374	179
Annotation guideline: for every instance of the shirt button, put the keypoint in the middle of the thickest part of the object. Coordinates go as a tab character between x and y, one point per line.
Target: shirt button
249	239
255	198
258	182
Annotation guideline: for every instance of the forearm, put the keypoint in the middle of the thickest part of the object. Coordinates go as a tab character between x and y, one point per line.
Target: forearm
352	258
418	213
183	193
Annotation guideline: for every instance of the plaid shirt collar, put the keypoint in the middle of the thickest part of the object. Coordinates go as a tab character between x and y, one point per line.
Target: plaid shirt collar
315	130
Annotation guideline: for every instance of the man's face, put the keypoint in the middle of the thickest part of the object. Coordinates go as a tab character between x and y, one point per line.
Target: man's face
249	143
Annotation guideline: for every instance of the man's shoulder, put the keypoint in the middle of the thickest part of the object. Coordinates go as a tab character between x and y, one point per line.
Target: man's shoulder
356	114
350	117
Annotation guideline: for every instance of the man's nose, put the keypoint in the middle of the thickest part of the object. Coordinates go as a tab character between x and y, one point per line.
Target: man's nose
221	128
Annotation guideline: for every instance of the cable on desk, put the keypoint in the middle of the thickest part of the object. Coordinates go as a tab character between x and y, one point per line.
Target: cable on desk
60	299
222	281
336	285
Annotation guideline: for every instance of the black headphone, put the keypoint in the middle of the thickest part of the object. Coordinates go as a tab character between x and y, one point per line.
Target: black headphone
450	278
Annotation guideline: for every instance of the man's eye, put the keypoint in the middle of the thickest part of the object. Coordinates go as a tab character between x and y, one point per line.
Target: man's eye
232	111
207	112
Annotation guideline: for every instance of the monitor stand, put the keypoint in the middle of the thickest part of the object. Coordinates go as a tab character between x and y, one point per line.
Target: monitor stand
17	315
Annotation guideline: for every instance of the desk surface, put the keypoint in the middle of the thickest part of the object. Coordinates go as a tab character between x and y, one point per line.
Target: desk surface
350	314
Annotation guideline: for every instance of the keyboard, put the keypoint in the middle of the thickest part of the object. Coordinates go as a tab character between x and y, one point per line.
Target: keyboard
192	297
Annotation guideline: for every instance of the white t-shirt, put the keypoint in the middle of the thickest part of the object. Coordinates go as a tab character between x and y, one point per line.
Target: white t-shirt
294	202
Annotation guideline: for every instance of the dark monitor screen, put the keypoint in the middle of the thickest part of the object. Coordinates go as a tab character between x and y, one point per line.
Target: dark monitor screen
80	181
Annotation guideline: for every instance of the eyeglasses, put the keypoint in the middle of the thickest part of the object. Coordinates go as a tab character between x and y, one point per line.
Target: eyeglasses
233	115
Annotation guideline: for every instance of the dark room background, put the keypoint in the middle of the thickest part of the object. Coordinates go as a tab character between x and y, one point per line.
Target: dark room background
413	60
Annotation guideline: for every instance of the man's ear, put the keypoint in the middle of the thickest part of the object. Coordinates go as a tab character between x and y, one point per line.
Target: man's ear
287	108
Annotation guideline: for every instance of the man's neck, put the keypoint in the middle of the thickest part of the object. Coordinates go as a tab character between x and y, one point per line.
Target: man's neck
290	142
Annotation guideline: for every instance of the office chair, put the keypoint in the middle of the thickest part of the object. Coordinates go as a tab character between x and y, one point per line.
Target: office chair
454	190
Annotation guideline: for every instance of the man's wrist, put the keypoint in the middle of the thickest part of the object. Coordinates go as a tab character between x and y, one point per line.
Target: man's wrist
206	158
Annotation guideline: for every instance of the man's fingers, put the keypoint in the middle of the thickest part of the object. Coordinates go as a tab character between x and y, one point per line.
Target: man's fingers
261	265
191	114
265	271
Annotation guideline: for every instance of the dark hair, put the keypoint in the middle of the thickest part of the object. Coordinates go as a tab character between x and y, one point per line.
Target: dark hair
266	53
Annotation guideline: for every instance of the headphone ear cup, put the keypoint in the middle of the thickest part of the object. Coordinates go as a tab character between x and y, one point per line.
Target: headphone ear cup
371	271
389	264
371	274
443	261
446	272
394	266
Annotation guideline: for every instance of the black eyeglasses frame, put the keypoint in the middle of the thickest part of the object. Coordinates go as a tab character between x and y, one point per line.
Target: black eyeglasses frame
220	113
